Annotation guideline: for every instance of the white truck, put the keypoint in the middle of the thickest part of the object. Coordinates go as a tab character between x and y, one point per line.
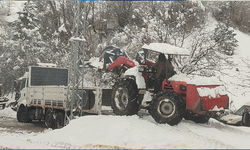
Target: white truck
42	95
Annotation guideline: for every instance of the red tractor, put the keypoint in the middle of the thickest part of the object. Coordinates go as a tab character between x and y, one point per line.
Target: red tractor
178	98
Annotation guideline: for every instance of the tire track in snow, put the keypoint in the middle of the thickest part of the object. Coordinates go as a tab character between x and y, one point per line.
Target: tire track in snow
185	130
205	142
220	139
226	128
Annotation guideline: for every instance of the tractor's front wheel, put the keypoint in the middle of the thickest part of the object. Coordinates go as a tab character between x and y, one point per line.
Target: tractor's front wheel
125	97
167	107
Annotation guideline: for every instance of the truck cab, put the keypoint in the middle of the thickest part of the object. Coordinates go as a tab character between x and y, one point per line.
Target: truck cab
20	86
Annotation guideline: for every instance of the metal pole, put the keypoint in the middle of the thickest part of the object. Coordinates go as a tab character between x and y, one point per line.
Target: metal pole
76	71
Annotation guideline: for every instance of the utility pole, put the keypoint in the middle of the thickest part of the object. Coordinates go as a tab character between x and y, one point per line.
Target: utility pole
75	102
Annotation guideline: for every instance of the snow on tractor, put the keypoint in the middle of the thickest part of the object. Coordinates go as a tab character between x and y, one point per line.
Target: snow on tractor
179	97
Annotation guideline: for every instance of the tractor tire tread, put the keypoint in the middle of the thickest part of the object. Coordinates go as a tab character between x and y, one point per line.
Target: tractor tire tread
132	107
178	102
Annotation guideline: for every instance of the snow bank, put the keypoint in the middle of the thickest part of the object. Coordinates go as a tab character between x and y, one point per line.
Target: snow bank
8	112
196	80
127	132
139	79
121	132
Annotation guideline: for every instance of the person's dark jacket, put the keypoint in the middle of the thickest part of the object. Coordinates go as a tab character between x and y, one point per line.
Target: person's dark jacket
163	68
247	119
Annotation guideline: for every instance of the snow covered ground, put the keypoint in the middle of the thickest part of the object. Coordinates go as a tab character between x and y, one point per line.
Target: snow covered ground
130	132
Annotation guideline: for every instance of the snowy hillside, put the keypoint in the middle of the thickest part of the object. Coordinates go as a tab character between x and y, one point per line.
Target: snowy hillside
236	77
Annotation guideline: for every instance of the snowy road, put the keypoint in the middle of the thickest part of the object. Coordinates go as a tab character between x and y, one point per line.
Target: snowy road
13	126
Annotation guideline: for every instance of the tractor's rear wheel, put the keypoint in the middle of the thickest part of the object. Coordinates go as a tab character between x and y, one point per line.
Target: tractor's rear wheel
23	115
125	97
167	107
196	117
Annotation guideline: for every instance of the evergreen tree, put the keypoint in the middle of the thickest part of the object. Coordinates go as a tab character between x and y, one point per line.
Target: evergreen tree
225	39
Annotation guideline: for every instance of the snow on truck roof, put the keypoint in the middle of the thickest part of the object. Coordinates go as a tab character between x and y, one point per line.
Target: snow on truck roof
166	49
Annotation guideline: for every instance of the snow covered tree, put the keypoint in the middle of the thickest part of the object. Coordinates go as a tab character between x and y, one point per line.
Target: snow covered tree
207	51
232	13
225	37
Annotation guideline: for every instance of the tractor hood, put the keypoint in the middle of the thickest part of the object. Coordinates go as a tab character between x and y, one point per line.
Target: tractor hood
166	49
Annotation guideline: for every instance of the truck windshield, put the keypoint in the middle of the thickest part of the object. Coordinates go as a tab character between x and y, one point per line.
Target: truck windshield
22	83
241	110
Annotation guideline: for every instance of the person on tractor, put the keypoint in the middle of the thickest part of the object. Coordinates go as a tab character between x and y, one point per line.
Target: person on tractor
163	69
245	118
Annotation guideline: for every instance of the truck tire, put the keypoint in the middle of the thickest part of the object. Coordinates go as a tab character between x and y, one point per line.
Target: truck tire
23	115
125	97
167	107
59	123
196	117
49	119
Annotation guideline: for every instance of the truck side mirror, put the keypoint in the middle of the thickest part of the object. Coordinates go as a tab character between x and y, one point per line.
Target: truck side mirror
16	84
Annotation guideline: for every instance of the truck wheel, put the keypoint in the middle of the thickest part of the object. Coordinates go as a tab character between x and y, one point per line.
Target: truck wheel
23	115
49	119
167	107
59	120
196	117
125	97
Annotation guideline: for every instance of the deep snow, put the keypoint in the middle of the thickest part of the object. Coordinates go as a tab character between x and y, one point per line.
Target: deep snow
131	132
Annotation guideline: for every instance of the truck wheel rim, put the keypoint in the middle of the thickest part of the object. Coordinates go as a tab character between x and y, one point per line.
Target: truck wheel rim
121	98
23	116
166	107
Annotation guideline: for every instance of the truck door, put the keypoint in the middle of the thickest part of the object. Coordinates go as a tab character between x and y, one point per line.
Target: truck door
23	90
